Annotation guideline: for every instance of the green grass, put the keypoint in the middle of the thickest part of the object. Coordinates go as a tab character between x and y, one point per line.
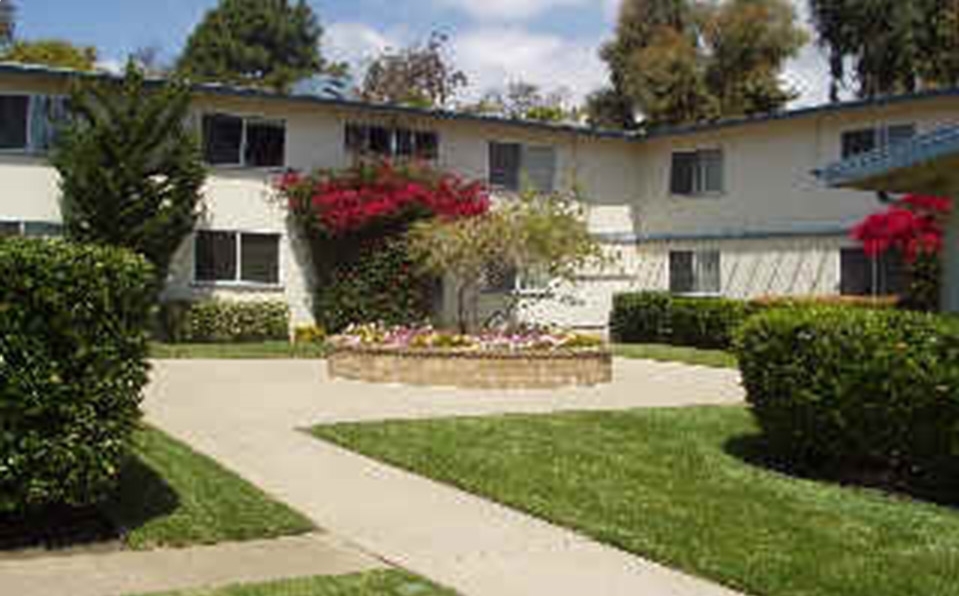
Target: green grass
245	351
666	353
172	496
665	484
376	583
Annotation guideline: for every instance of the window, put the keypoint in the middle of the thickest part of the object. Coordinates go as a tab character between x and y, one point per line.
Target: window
861	275
384	141
237	257
235	141
14	116
697	173
30	122
857	142
32	229
695	272
511	165
500	279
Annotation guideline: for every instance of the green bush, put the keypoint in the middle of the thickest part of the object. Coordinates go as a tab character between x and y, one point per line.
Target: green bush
381	284
705	322
73	345
219	321
854	388
640	317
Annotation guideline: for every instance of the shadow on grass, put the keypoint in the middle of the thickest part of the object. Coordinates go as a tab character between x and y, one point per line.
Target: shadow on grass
938	486
142	495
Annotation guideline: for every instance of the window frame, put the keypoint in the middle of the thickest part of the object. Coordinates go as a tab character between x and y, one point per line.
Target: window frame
696	282
880	136
27	148
522	173
25	227
362	130
245	120
698	172
238	281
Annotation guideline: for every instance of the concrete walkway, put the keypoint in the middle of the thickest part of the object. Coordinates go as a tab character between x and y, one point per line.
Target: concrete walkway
244	414
130	572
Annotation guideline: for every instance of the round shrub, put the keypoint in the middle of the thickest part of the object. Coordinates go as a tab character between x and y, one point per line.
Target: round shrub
706	322
640	317
839	389
221	321
73	329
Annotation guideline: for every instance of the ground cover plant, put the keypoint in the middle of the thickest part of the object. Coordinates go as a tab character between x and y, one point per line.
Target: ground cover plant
681	354
686	487
374	335
267	350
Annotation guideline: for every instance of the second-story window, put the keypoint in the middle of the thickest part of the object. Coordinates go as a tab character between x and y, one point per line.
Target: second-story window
513	165
391	142
250	142
864	140
697	173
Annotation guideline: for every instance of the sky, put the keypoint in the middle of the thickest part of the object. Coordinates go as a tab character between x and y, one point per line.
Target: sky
552	43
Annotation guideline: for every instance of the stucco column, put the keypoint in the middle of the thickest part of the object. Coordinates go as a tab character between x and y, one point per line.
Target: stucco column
950	286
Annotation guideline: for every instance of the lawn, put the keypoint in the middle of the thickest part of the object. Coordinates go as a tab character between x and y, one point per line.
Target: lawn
172	496
675	485
377	583
237	351
666	353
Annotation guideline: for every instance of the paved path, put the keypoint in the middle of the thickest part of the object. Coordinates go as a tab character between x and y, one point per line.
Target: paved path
130	572
243	413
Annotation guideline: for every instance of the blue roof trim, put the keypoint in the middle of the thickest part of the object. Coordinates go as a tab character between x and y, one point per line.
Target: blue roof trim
918	150
654	133
252	92
625	238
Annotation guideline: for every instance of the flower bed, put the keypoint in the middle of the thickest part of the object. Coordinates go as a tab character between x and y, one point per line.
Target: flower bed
534	359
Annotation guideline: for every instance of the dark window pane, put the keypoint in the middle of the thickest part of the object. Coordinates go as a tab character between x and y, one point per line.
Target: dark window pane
222	138
381	141
861	275
9	228
504	165
539	165
427	145
357	137
681	272
856	142
499	279
261	258
13	121
265	144
711	167
708	273
42	229
683	173
900	133
215	256
404	142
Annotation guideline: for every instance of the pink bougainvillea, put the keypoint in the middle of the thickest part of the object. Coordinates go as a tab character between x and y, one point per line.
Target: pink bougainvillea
348	201
913	225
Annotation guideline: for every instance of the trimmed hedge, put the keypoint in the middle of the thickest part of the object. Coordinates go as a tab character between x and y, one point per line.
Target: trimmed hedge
707	322
73	346
853	388
219	321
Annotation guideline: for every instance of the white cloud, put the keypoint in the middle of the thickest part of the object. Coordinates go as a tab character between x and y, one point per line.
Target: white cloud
354	43
494	56
511	10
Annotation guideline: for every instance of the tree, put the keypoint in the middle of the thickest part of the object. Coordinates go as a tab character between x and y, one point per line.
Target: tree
683	61
52	52
748	41
8	14
419	75
130	171
607	108
892	46
268	43
523	101
546	234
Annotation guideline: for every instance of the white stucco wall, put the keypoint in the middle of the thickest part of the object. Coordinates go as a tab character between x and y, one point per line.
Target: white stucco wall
769	187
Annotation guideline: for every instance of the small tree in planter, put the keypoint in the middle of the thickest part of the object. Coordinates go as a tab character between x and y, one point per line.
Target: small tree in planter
546	234
355	220
915	227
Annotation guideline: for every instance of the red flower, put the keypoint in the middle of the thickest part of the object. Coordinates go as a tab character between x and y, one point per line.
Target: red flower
913	225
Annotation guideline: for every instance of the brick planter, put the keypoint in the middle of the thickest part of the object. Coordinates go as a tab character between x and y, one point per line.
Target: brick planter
468	369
